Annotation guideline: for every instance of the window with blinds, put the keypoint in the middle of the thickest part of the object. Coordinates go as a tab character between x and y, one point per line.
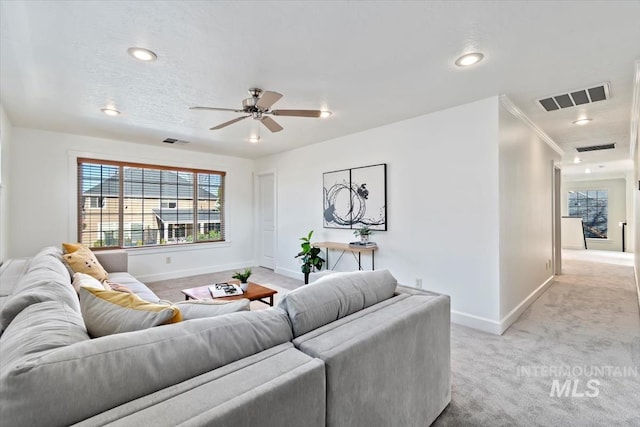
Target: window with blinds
129	204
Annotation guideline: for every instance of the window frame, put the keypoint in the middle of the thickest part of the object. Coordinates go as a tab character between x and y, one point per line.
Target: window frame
121	165
580	215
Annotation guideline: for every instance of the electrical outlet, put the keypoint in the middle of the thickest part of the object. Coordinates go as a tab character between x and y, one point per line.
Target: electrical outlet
419	283
167	260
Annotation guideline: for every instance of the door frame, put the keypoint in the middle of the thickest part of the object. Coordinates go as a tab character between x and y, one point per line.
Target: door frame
557	219
257	220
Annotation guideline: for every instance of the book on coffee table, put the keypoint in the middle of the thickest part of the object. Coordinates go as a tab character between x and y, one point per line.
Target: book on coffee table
224	290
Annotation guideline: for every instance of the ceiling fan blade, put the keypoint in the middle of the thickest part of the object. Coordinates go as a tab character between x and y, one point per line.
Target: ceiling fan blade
216	109
230	122
297	113
271	124
267	99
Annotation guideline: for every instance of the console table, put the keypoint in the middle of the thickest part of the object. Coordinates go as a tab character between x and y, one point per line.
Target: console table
345	247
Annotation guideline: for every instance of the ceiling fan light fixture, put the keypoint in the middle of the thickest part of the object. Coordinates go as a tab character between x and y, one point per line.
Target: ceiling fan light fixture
254	139
112	112
142	54
581	122
325	114
469	59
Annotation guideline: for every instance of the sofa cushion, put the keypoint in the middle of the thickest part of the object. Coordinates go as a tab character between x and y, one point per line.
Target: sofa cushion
46	279
38	328
10	274
392	360
138	288
111	312
84	261
196	309
335	296
80	380
277	387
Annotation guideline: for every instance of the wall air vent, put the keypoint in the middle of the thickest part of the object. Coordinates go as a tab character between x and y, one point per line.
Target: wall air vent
175	141
596	148
576	97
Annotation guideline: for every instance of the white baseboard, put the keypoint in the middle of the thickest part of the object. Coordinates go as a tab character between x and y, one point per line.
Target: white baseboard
175	274
289	273
476	322
493	326
520	308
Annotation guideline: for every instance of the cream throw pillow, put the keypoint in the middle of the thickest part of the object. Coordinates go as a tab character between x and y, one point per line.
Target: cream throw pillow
84	261
81	279
112	312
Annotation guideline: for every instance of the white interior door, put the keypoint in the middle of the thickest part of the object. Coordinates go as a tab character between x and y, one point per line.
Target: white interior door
266	220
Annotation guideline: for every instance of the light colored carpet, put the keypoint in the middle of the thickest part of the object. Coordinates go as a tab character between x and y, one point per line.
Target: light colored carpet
170	289
588	319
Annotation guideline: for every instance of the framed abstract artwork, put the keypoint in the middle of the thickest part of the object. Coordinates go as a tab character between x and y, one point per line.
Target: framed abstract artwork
353	198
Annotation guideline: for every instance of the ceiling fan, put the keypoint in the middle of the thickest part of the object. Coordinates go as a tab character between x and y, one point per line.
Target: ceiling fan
258	107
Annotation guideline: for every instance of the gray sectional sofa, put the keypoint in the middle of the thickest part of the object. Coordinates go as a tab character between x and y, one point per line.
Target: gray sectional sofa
352	349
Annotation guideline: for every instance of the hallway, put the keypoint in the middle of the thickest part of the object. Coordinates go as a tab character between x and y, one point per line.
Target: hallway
573	357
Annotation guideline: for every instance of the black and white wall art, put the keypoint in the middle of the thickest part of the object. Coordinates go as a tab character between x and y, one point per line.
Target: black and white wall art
356	197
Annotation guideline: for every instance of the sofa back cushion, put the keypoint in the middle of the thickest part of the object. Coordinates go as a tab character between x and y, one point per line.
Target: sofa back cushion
46	279
333	297
75	382
40	327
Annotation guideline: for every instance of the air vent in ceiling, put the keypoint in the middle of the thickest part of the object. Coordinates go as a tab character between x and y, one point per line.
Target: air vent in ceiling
575	97
175	141
596	147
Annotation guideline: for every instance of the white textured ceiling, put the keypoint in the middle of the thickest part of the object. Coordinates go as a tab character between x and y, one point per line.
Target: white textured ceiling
371	63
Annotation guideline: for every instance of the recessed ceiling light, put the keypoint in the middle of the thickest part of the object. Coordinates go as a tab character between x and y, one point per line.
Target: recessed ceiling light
577	160
254	139
142	54
469	59
325	113
587	170
110	112
582	121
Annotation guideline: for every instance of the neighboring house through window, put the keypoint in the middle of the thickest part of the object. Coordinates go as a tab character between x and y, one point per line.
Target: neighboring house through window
593	207
143	205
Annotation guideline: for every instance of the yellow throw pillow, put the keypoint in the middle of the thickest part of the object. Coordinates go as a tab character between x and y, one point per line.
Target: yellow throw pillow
112	312
84	261
69	248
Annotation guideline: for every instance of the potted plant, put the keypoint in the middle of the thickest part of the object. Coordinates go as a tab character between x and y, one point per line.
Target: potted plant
310	257
243	277
364	232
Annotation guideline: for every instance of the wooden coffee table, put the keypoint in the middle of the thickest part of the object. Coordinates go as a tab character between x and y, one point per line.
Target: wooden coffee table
255	292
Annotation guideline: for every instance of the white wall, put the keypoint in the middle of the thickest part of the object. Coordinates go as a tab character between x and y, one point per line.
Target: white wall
42	203
442	194
617	189
526	216
5	144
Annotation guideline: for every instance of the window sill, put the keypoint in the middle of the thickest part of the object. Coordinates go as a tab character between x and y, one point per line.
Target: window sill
605	241
134	251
